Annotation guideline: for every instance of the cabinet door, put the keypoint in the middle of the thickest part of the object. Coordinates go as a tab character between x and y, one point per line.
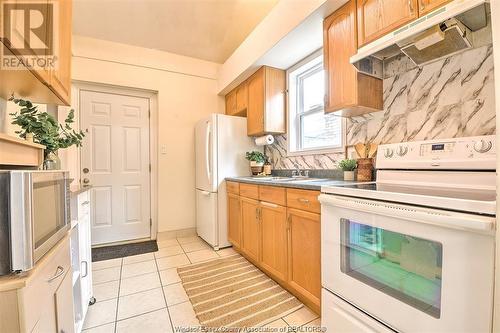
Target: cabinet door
234	219
427	6
379	17
251	228
304	255
339	37
256	101
274	240
64	305
60	79
231	103
242	98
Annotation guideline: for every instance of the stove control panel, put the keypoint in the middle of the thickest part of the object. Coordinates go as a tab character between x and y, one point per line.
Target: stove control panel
471	153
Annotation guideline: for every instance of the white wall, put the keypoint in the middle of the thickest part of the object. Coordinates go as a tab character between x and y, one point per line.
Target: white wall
187	91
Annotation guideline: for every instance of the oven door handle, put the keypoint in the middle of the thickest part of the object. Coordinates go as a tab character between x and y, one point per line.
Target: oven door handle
442	218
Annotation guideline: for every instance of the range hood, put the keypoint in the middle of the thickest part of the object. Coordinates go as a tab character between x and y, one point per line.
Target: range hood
439	34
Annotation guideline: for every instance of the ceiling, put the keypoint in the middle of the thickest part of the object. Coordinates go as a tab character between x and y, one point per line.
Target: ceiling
204	29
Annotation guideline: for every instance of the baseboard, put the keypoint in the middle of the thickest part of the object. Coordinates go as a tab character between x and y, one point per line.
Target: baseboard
175	234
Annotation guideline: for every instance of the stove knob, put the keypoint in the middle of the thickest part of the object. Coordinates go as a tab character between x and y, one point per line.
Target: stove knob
482	146
388	152
402	150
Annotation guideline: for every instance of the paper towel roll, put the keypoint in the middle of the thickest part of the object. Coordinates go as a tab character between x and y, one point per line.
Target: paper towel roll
264	140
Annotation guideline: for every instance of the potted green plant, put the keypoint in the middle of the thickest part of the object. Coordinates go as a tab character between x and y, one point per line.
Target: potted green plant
44	129
257	160
348	166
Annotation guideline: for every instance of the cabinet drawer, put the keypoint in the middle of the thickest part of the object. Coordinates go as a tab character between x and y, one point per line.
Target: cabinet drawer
303	199
249	191
233	187
272	194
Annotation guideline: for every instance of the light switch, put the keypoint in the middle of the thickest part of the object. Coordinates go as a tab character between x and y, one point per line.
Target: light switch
163	149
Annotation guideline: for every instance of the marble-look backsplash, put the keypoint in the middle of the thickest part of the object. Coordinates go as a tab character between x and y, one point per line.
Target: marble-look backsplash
453	97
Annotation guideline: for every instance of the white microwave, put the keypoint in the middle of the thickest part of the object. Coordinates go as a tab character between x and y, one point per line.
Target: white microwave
34	216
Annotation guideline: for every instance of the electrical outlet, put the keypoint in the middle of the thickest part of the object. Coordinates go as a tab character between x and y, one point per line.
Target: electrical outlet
163	149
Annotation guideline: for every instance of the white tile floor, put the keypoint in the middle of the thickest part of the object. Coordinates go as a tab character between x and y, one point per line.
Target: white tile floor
143	293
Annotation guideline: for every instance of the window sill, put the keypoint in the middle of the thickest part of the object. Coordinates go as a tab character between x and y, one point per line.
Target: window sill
316	151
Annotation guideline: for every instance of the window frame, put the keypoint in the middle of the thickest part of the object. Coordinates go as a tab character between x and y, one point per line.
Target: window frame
294	80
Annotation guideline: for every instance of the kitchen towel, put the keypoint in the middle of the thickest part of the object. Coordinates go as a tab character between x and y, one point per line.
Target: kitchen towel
264	140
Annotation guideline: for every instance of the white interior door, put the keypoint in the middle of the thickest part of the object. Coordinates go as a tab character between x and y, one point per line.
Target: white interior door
115	161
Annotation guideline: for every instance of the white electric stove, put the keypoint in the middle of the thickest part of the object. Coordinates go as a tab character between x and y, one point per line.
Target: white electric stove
413	251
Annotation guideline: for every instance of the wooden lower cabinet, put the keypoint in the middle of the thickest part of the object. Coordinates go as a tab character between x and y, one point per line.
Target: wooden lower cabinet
304	255
250	223
234	219
274	239
283	242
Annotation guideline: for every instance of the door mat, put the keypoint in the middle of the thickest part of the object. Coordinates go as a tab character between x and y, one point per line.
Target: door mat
124	250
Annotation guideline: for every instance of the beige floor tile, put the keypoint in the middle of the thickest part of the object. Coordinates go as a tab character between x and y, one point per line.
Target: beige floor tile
182	315
106	264
202	255
186	232
106	275
153	322
169	276
106	290
195	246
280	323
138	258
175	294
169	251
101	313
315	323
139	283
226	252
167	243
300	317
136	304
166	235
138	268
189	239
173	261
108	328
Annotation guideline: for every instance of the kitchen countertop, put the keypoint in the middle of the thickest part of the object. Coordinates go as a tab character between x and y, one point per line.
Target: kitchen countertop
304	184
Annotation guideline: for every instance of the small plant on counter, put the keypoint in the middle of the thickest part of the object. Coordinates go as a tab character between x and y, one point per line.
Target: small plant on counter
45	129
257	160
348	166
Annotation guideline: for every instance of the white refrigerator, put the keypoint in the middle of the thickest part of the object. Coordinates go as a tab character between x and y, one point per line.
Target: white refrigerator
221	143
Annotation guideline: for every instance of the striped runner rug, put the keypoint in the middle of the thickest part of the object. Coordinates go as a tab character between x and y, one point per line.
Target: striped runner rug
231	292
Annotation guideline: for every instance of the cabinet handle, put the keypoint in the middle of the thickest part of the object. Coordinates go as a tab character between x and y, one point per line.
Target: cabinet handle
302	200
288	221
59	272
268	204
257	213
86	268
421	5
410	5
85	203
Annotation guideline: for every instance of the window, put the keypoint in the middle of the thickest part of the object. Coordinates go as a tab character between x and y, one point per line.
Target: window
310	129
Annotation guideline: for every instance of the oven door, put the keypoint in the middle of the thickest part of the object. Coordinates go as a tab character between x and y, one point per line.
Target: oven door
414	269
49	210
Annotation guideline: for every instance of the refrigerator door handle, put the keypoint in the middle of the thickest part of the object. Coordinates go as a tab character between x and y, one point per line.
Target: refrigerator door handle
205	193
207	153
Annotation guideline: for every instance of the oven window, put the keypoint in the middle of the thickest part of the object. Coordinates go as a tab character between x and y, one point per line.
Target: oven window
405	267
48	209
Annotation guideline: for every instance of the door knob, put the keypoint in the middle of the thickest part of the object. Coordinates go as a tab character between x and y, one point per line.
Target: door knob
85	170
86	180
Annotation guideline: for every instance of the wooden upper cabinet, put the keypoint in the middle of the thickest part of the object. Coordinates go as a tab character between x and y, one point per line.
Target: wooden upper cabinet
242	98
379	17
266	102
250	223
231	103
60	78
427	6
274	239
347	92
